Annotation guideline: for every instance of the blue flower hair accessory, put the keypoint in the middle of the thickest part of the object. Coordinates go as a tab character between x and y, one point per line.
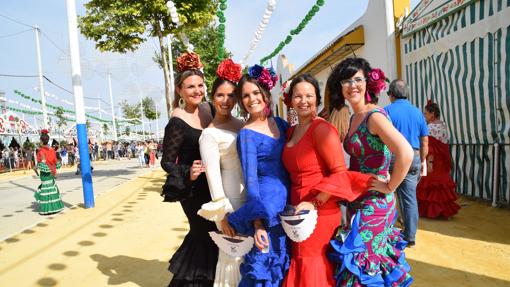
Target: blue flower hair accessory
265	76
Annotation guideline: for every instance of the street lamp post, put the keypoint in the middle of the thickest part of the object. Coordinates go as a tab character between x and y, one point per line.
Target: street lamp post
81	126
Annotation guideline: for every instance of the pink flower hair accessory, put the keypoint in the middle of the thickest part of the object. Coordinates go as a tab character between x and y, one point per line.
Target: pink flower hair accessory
266	77
376	81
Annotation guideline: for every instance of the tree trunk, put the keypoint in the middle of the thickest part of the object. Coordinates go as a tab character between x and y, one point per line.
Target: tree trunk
165	69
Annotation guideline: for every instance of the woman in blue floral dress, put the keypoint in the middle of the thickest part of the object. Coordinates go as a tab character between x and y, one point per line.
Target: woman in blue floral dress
371	253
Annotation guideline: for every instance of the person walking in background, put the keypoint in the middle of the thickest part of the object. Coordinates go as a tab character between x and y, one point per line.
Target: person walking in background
64	155
223	168
194	263
139	152
436	192
29	157
409	121
152	154
47	195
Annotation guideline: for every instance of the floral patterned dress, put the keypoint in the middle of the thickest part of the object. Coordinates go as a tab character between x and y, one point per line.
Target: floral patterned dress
371	253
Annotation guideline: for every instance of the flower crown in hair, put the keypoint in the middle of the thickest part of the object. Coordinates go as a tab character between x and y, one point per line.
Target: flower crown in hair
266	77
376	81
188	61
228	70
44	132
286	93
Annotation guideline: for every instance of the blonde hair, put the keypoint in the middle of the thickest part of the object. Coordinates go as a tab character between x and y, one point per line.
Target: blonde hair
340	120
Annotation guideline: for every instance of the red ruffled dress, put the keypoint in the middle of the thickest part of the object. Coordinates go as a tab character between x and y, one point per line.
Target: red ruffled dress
316	164
436	192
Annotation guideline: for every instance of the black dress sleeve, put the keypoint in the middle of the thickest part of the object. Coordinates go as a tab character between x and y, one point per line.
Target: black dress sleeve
178	184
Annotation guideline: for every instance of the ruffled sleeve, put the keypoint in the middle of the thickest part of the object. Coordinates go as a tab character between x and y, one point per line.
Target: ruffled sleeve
242	219
178	183
210	154
43	167
343	184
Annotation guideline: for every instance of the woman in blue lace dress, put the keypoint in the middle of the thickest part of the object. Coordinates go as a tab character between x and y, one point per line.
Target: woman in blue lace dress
260	144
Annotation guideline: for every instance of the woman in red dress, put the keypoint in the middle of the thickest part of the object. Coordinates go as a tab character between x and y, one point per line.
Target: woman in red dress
436	191
319	178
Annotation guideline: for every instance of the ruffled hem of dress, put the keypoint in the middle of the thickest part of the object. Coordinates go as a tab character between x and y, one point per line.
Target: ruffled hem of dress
215	210
195	260
391	269
438	209
227	270
270	267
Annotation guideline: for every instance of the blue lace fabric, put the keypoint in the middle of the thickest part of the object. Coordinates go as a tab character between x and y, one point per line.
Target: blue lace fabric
267	185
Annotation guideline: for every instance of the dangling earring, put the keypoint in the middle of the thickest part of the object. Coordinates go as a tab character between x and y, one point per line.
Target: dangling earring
368	97
182	104
267	111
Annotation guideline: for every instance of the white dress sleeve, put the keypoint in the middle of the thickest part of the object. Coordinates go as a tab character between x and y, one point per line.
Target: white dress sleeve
216	209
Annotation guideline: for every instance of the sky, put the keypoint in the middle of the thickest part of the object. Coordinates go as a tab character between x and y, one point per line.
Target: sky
135	74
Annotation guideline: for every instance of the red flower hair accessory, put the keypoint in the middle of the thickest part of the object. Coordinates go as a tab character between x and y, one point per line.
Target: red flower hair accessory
189	61
376	81
44	132
228	70
286	93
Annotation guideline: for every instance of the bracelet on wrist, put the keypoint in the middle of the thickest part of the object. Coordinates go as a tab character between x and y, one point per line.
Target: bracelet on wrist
317	203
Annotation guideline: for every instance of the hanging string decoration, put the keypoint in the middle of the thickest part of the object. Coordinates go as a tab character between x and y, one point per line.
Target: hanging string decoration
51	106
271	4
221	28
315	8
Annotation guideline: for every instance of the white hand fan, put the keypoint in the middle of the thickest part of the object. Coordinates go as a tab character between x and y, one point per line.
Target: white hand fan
299	227
235	246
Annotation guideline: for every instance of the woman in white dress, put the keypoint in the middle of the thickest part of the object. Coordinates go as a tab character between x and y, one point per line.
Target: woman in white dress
223	170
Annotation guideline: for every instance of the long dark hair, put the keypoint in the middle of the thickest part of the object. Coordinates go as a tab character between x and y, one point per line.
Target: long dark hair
239	92
345	70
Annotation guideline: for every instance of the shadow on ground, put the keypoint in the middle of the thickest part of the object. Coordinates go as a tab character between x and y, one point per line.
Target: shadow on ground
427	275
476	220
123	269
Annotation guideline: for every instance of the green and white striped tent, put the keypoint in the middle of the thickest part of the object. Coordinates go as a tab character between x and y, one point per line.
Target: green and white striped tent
457	53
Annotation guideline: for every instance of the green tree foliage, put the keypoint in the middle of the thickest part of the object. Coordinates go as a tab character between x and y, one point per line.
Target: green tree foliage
131	111
61	119
122	25
149	109
106	128
205	40
127	131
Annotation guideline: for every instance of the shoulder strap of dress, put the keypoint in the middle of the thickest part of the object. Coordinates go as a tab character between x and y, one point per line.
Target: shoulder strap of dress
373	111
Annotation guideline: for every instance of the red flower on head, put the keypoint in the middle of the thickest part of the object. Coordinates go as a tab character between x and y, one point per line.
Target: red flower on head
44	132
228	70
189	61
376	81
286	94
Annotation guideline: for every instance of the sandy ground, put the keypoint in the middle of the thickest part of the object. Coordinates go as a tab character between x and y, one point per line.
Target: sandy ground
128	238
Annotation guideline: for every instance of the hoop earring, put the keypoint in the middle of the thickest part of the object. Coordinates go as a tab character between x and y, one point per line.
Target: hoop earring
182	104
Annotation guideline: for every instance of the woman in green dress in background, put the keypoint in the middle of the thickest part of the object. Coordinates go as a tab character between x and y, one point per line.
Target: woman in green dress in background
47	195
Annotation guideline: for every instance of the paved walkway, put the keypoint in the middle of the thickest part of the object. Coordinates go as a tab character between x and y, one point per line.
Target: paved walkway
127	239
